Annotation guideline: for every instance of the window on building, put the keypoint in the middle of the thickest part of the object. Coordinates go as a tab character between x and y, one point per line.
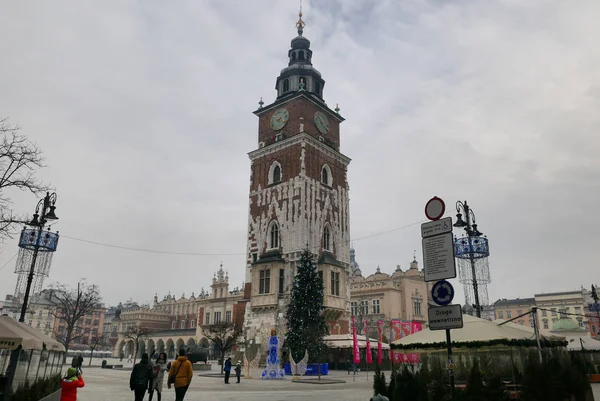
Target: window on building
578	310
522	322
364	307
508	314
519	312
317	88
544	314
320	274
354	308
580	321
38	324
335	283
192	324
276	174
40	314
563	312
264	282
327	239
417	308
286	85
173	323
281	280
545	324
228	316
183	324
254	257
553	310
324	176
274	236
500	315
217	317
376	307
300	55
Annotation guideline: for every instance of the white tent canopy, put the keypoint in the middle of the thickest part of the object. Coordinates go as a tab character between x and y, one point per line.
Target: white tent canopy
345	341
14	333
588	343
474	329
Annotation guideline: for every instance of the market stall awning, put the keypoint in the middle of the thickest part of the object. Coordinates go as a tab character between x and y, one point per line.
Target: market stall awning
583	343
477	333
14	333
345	341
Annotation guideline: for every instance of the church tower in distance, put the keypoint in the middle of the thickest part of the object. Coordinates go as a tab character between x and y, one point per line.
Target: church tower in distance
298	198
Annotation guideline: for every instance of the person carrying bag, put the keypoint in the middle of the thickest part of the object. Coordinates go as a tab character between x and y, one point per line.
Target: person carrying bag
180	375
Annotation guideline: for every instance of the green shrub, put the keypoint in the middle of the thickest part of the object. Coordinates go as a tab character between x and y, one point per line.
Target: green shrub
38	390
379	384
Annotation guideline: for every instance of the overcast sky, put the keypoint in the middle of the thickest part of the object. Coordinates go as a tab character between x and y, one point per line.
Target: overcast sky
144	112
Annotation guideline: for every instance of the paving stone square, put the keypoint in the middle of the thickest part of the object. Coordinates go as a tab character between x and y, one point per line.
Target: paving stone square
113	385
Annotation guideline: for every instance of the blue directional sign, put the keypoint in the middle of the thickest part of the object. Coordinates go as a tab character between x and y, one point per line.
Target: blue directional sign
442	292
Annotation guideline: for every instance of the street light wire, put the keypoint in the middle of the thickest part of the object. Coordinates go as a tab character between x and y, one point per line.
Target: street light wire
163	252
8	261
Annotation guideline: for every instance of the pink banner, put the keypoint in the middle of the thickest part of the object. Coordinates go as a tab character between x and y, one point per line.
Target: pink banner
416	327
355	349
368	343
379	341
406	326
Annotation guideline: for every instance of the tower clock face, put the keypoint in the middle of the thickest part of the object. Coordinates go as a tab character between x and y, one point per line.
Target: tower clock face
279	119
321	122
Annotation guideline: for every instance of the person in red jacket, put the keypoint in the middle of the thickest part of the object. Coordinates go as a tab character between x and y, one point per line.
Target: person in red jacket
70	384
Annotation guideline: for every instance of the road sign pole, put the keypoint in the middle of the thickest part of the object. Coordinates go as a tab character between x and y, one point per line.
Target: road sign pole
450	363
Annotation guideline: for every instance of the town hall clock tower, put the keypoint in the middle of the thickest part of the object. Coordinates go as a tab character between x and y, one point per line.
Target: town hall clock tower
298	198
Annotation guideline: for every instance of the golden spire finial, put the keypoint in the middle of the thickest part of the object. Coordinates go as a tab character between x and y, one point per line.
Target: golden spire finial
300	24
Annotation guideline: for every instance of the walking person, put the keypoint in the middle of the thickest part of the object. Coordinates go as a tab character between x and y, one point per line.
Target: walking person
227	370
141	378
238	371
180	375
159	373
70	384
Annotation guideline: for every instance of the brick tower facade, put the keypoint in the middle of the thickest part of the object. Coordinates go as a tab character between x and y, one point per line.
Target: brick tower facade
298	198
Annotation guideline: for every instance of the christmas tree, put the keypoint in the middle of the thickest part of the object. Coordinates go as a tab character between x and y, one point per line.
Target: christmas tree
305	322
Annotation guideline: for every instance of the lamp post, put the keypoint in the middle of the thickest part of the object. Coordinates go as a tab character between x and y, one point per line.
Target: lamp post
44	211
470	227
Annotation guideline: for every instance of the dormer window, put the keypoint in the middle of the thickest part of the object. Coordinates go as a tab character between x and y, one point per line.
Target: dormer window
327	238
286	85
274	235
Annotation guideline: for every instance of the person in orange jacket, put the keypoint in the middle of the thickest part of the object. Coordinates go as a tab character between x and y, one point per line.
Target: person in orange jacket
180	375
70	384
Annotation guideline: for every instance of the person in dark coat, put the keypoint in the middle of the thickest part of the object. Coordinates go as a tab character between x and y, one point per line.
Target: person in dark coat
141	378
238	371
227	370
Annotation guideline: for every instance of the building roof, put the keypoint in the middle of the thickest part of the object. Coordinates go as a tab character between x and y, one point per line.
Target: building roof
515	301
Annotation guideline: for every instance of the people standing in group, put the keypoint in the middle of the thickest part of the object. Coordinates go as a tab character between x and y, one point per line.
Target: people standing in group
238	371
180	375
141	378
227	370
77	363
70	384
160	366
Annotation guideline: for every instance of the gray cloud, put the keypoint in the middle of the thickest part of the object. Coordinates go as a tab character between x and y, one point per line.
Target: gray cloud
144	113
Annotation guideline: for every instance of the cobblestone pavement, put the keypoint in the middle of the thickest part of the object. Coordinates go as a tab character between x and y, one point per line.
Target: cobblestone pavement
113	385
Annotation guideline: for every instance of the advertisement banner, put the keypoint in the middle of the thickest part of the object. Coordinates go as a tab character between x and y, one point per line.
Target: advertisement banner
368	354
416	327
355	349
395	334
379	341
406	327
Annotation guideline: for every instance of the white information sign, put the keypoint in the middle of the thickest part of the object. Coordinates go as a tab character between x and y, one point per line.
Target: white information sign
436	227
445	317
438	257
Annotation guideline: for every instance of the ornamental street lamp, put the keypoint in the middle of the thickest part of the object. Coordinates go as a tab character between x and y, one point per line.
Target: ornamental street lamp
44	212
475	247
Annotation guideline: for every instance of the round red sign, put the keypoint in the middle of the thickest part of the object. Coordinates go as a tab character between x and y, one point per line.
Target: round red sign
435	208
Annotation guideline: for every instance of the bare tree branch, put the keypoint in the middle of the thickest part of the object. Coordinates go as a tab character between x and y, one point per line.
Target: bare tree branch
20	160
93	342
72	305
137	334
224	335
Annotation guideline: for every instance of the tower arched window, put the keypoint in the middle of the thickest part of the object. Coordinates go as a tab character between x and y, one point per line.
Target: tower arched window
286	85
326	176
317	88
327	238
301	55
274	235
274	173
293	56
